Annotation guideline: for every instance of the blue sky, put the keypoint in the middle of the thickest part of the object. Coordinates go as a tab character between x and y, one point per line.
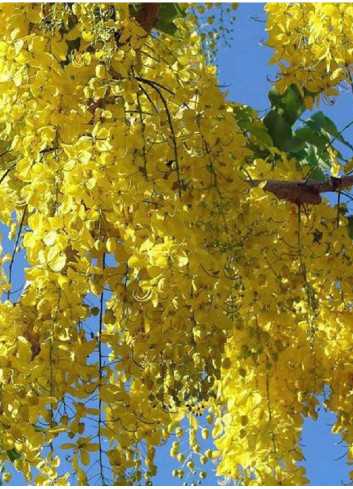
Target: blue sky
245	73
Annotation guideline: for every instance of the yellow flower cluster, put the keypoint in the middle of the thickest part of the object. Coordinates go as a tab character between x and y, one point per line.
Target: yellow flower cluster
160	284
313	45
113	143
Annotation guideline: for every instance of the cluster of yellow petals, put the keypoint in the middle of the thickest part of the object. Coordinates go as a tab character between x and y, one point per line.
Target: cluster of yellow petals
313	45
113	141
159	284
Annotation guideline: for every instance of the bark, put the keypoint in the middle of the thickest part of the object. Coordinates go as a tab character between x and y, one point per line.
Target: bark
304	191
148	15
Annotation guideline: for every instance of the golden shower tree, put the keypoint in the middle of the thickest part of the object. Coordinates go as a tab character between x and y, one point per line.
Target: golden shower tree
180	257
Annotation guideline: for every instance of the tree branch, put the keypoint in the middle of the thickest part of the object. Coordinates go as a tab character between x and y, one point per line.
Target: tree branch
303	191
148	15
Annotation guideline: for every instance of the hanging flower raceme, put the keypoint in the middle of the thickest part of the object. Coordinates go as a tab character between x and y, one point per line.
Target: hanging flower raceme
160	284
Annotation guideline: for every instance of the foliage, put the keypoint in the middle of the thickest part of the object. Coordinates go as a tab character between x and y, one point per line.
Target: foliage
160	284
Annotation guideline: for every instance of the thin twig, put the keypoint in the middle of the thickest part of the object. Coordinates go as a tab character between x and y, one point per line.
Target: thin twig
15	248
100	380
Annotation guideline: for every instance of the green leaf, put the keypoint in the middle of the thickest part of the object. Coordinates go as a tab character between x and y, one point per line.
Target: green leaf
13	454
38	429
317	131
290	103
293	145
320	123
317	165
261	136
278	128
245	116
316	121
168	28
180	9
315	138
331	128
170	11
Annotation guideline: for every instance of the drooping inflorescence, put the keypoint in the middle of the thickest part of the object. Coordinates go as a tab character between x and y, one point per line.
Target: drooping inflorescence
161	286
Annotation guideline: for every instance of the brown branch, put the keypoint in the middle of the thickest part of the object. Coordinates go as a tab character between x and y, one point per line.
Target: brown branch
303	191
148	15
